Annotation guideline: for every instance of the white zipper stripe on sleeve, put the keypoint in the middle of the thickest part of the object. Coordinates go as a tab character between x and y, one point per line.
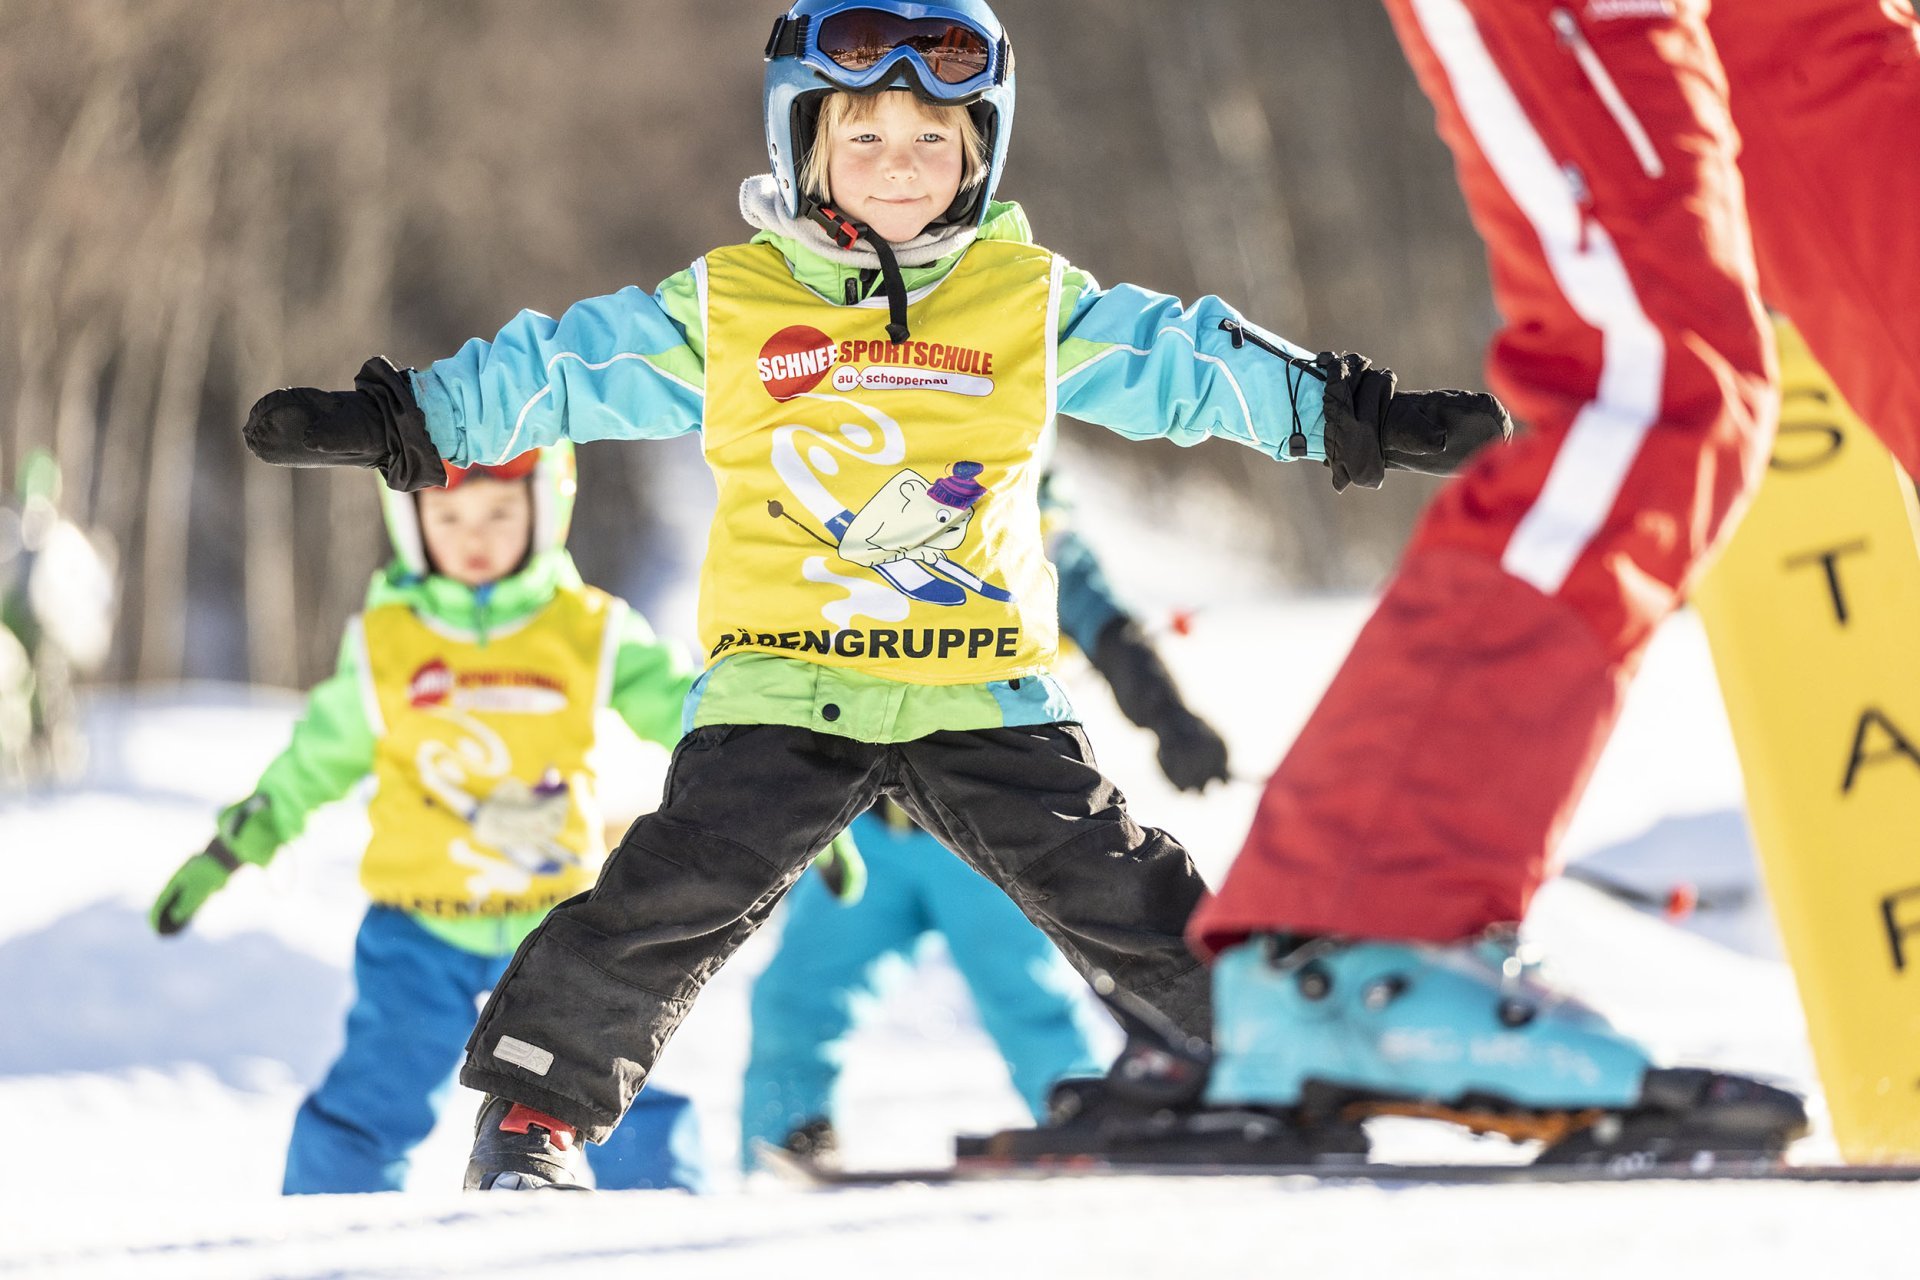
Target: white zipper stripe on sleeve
1606	434
1239	394
512	449
700	292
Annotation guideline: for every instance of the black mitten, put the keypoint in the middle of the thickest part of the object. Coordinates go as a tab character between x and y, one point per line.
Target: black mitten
1370	427
378	424
1191	754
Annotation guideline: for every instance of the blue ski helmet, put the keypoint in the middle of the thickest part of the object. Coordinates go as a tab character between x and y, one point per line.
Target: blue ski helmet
954	53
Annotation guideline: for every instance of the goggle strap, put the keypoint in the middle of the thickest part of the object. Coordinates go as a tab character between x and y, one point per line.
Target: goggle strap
789	35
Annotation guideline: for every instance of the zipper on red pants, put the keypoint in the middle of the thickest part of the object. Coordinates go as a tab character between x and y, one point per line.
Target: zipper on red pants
1567	28
1582	201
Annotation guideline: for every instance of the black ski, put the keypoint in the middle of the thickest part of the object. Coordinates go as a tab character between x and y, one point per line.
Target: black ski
803	1172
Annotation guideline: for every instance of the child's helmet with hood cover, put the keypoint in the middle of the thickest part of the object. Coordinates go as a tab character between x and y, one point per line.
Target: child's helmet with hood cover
954	53
550	473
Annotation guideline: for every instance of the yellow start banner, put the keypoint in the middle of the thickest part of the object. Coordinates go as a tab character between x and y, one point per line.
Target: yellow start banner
1813	616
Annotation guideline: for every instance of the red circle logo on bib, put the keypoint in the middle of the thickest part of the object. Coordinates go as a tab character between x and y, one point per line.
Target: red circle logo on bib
431	685
794	360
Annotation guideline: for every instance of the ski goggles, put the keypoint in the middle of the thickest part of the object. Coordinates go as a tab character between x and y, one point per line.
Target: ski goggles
516	468
858	47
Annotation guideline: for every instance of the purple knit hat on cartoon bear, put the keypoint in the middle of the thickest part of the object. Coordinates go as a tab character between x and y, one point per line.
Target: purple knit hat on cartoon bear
959	488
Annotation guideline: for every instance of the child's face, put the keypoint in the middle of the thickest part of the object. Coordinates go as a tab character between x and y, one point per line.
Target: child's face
479	532
896	170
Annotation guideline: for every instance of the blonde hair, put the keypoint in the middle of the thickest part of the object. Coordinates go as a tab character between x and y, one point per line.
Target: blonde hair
843	108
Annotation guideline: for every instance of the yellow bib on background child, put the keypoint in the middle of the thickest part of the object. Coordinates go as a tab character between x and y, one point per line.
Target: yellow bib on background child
483	807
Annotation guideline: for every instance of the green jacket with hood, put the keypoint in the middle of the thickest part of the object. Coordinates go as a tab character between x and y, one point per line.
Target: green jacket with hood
333	742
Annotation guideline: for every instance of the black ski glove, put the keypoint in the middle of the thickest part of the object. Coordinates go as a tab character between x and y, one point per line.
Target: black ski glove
378	424
1370	427
1191	754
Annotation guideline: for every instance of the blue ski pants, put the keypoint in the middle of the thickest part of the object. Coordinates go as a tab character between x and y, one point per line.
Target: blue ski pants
834	961
417	998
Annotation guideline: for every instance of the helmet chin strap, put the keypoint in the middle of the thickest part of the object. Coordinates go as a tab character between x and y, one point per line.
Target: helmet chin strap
847	233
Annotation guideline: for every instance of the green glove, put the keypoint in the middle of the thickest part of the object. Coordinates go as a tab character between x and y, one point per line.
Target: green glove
191	886
844	870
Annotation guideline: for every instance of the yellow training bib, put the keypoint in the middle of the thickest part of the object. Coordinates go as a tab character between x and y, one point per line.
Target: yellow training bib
485	804
877	500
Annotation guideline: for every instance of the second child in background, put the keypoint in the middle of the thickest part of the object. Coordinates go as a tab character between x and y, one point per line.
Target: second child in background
467	689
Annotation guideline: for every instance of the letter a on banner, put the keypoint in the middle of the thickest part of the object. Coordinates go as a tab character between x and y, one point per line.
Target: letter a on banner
1813	616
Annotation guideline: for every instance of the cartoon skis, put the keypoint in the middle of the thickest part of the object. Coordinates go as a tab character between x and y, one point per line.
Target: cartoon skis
904	531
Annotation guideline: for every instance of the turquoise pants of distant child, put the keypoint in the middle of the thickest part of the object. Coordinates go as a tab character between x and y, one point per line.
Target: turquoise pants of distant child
834	959
416	1004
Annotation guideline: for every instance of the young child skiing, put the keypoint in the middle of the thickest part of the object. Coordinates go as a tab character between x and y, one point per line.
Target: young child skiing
467	689
871	376
838	950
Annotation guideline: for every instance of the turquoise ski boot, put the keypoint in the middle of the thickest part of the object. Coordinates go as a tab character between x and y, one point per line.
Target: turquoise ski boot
1470	1034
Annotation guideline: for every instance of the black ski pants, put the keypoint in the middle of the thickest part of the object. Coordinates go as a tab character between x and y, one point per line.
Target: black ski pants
595	993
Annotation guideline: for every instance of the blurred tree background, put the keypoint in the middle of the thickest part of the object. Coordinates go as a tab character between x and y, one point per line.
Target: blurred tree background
204	199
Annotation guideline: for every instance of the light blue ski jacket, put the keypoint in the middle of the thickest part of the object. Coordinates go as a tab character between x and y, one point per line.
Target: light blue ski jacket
632	366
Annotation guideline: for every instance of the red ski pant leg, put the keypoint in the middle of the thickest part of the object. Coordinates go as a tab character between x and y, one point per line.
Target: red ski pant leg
1826	96
1424	795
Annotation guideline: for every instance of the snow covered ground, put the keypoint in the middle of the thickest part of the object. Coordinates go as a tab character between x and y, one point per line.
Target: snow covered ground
149	1085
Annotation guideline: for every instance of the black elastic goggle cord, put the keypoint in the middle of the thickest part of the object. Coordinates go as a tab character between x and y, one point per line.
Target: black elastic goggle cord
1241	335
847	233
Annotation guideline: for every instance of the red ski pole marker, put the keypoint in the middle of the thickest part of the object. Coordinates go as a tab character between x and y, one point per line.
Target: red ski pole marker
1682	900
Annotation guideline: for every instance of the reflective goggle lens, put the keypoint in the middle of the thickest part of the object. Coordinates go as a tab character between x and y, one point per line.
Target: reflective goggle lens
859	39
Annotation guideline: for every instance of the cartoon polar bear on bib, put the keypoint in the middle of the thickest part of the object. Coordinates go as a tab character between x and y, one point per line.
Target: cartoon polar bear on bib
912	519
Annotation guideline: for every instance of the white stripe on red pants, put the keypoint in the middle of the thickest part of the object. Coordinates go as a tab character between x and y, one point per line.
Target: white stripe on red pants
1424	795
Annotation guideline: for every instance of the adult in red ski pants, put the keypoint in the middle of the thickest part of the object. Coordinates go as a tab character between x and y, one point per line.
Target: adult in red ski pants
1599	144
